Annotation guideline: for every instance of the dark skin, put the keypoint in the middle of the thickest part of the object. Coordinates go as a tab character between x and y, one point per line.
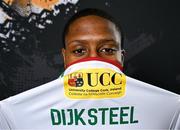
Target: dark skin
92	36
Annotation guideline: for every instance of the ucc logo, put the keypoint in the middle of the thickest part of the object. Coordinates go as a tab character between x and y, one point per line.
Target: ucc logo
95	83
78	79
104	79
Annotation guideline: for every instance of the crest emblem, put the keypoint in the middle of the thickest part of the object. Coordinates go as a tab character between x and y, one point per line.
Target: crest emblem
76	79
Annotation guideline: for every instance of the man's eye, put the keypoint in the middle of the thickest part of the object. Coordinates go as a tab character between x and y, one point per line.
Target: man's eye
108	51
79	52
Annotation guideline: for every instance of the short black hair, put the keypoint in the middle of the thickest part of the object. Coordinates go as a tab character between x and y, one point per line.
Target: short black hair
87	12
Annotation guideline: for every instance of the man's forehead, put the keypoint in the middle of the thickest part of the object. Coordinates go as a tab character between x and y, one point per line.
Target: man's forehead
84	20
91	26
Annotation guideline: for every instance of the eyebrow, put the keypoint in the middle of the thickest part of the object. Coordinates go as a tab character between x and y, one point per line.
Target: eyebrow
99	41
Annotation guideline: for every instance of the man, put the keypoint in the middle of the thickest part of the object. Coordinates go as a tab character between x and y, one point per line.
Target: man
89	35
92	93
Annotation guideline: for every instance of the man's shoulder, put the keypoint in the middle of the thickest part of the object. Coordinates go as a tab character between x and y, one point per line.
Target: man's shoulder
34	93
147	89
